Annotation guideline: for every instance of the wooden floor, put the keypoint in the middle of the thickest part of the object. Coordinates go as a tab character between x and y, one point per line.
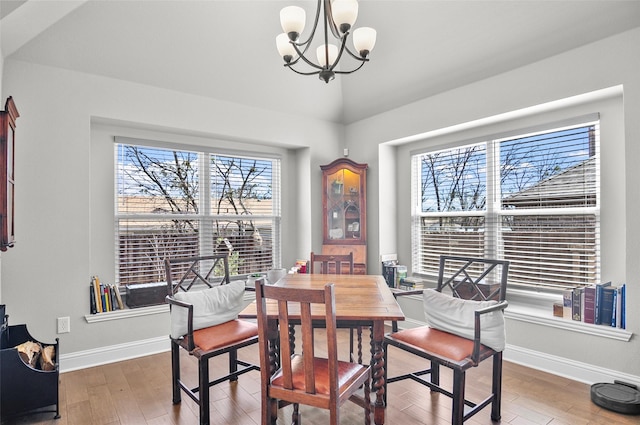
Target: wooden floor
138	392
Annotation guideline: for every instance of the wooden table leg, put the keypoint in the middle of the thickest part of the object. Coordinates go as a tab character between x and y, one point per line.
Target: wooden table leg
377	369
274	349
269	406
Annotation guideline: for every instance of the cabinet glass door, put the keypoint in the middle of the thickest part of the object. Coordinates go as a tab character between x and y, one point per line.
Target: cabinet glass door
343	205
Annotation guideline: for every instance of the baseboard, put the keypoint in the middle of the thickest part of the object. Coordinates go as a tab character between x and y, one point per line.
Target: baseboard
113	353
568	368
571	369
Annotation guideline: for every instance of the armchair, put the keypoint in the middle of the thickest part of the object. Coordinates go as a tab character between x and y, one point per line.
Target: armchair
465	326
204	323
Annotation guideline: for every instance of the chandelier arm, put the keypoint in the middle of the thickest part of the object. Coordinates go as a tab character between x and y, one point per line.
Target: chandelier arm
296	45
300	72
329	20
307	42
355	56
342	47
353	70
304	58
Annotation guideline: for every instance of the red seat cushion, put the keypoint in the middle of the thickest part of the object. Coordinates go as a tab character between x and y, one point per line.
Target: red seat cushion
346	373
440	344
224	334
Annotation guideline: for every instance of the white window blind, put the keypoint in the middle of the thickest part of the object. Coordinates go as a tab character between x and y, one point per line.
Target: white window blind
531	199
450	206
180	203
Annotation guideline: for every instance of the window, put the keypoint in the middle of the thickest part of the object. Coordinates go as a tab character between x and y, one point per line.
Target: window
532	199
172	202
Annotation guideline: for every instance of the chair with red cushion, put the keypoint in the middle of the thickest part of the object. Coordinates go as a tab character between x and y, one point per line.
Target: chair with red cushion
465	326
301	376
204	308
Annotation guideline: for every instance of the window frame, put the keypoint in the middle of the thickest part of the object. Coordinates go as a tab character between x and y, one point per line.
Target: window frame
205	215
494	210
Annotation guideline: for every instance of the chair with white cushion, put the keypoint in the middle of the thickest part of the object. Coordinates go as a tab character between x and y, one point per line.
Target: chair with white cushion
465	326
204	321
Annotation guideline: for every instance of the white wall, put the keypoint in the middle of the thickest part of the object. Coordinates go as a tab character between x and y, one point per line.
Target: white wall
64	187
63	201
602	65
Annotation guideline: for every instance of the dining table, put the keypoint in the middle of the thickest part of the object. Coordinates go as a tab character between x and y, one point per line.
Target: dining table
361	301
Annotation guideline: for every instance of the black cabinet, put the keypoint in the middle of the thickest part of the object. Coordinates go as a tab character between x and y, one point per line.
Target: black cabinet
22	387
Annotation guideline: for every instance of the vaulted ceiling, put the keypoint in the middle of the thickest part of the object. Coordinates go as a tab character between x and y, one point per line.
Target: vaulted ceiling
226	49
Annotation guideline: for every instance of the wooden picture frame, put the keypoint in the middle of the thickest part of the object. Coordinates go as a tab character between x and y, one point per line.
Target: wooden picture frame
7	183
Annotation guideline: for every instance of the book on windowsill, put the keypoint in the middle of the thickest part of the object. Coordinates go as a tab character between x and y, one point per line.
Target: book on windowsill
576	304
607	305
92	300
113	297
567	303
389	272
623	306
95	281
589	304
410	283
118	297
598	302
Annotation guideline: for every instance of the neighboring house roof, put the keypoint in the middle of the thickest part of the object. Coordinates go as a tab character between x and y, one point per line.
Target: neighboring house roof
574	186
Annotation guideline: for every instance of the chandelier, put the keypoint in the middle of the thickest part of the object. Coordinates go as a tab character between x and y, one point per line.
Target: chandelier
338	18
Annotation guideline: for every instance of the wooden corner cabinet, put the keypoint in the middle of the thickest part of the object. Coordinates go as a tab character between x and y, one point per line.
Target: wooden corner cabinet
7	143
344	210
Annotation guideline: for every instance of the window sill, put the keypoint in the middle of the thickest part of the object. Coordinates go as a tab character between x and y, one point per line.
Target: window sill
537	308
126	313
141	311
534	307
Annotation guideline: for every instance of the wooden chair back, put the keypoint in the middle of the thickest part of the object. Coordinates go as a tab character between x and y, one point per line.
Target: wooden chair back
330	263
334	263
302	377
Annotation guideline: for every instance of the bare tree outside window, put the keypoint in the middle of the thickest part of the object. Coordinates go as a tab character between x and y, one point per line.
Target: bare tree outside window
241	187
455	180
164	210
536	172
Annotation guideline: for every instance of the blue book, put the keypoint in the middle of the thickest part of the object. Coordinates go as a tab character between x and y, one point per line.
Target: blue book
102	298
623	307
607	305
598	302
614	313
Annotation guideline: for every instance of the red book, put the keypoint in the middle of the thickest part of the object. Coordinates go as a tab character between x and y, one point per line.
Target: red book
589	304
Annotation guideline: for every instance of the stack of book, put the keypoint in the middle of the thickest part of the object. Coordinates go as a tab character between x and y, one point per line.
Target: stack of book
103	297
600	304
411	283
390	271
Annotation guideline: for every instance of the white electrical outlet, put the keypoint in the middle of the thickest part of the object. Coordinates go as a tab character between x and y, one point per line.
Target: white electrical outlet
64	325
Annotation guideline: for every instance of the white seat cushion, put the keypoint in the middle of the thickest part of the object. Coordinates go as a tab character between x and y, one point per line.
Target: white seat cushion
211	307
457	316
